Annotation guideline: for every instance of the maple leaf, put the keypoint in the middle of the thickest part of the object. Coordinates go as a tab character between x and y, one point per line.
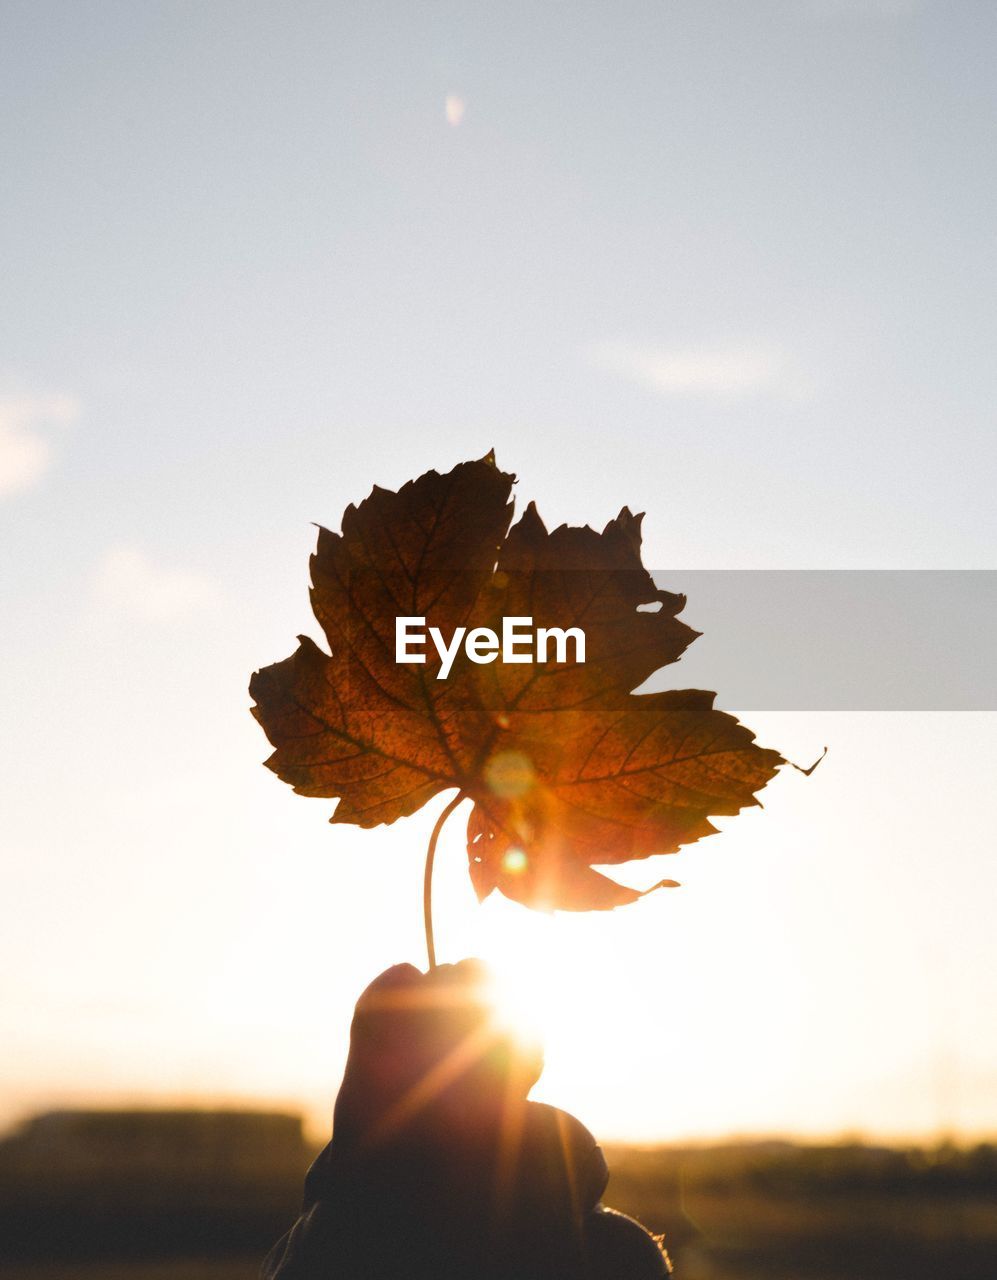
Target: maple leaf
567	767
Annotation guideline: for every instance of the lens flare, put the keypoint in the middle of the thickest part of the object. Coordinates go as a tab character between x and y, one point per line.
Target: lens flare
514	861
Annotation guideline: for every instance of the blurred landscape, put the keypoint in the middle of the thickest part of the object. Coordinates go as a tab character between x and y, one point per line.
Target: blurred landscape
186	1195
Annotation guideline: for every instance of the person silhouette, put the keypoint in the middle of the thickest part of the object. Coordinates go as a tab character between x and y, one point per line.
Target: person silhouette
440	1166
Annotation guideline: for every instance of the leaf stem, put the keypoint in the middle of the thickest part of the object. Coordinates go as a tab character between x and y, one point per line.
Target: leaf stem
427	883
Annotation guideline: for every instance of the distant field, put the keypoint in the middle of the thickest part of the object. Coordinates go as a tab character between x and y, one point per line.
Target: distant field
760	1211
843	1237
723	1237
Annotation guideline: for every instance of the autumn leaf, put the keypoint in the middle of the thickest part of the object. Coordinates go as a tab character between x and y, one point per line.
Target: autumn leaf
567	767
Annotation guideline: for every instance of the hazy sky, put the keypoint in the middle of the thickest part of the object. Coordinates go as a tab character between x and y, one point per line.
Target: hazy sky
729	263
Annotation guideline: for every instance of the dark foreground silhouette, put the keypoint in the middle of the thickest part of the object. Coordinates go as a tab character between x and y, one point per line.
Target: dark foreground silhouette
440	1167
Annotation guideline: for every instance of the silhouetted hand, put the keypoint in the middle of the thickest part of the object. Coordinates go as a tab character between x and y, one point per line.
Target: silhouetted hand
440	1167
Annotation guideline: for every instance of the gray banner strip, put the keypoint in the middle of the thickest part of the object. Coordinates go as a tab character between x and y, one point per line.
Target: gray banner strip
839	640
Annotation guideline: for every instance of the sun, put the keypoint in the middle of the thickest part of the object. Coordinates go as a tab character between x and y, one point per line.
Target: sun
521	1007
537	989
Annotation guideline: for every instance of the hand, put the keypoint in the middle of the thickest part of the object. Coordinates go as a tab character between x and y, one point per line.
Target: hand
440	1167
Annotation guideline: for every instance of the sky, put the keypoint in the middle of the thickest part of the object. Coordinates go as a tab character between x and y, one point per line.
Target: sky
731	264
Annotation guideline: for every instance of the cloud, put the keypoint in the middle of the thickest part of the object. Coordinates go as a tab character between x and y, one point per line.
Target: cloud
128	582
454	107
25	449
726	372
